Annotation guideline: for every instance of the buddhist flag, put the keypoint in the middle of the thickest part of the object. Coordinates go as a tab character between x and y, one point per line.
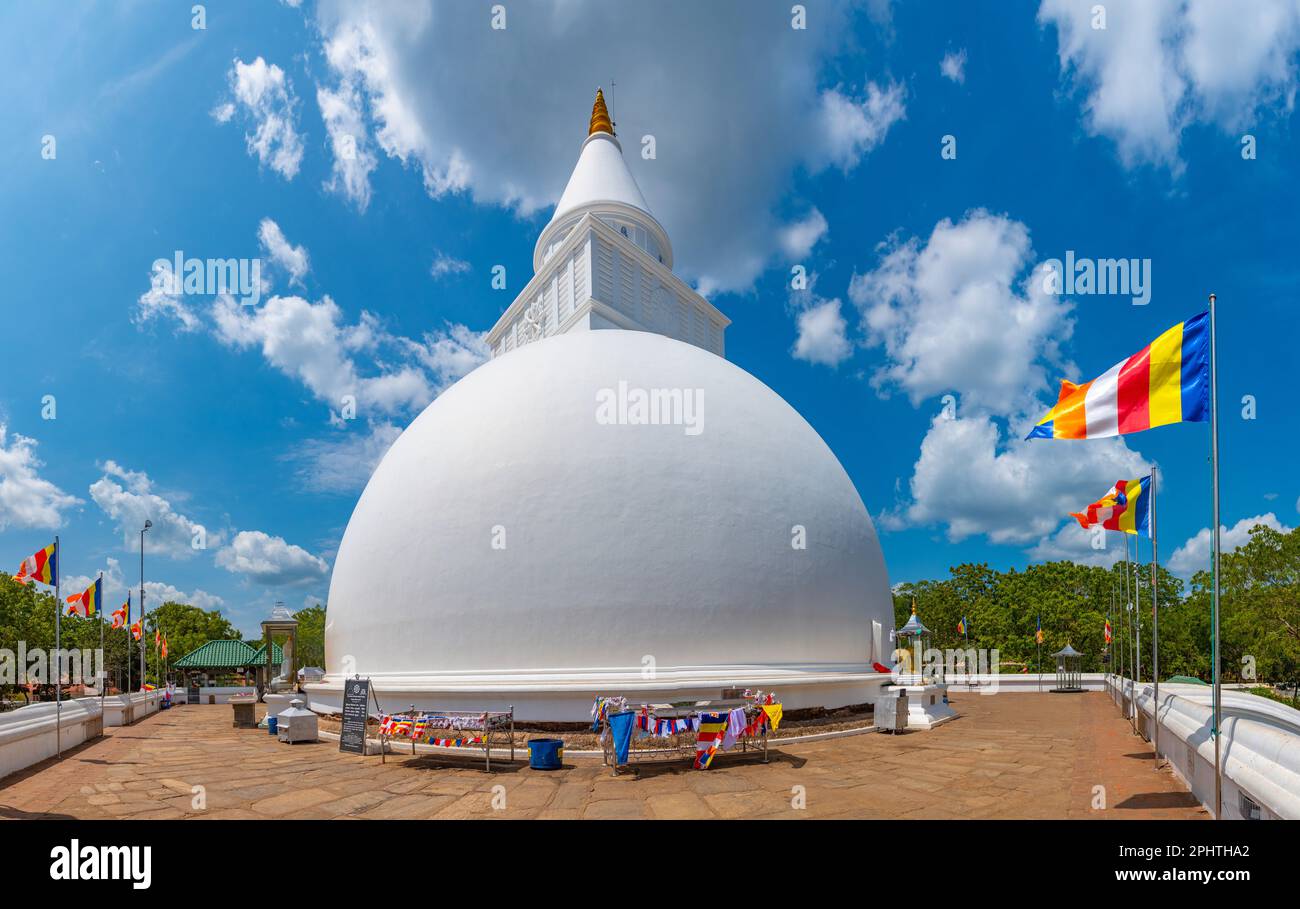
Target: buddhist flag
137	631
120	615
164	648
1126	507
86	603
1038	635
961	625
1107	630
42	566
157	636
1168	381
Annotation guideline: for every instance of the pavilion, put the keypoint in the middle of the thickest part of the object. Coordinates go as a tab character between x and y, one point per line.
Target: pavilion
227	657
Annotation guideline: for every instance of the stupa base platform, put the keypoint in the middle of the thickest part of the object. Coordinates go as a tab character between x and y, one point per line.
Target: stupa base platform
567	697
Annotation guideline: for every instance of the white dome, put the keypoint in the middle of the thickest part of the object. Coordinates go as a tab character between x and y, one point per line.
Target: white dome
636	557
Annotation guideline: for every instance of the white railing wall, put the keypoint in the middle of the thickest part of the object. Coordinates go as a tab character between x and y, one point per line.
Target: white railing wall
31	734
1259	745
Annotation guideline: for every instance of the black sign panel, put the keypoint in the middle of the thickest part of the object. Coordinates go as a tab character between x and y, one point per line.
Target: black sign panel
356	709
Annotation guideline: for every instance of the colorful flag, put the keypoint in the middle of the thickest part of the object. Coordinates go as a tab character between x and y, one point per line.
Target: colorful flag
1107	630
42	566
961	625
774	712
1126	506
137	631
120	615
1168	381
164	647
157	636
86	603
1038	635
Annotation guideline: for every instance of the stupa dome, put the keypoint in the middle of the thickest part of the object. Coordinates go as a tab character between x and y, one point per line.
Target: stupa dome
515	544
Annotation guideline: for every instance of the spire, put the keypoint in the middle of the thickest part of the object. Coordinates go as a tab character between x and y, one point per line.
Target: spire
600	122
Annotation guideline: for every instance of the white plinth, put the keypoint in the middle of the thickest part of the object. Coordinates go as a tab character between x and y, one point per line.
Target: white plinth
925	705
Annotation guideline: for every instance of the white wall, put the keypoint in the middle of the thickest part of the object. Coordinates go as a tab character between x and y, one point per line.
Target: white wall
991	683
219	695
1259	744
29	734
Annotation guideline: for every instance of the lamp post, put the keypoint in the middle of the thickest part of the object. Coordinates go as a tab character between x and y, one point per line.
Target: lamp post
147	525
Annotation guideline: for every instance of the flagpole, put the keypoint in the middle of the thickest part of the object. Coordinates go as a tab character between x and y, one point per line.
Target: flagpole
1128	607
1214	601
1155	624
58	645
1137	616
103	667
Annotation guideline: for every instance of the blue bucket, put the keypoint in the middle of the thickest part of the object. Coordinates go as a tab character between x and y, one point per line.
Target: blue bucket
545	754
271	724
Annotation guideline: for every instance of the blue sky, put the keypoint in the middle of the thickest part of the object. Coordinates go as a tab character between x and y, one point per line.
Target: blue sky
380	159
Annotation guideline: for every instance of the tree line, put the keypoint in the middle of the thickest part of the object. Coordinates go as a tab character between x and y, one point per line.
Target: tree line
27	615
1259	627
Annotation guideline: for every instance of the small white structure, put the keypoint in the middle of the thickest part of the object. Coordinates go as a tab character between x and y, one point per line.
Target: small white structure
606	511
927	700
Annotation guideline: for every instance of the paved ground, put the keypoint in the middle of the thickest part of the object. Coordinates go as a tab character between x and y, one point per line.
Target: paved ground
1014	755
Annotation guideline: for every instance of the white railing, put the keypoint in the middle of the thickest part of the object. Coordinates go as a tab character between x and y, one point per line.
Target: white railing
33	733
1259	745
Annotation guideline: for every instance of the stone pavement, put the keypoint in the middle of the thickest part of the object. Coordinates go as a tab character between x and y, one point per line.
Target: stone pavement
1013	755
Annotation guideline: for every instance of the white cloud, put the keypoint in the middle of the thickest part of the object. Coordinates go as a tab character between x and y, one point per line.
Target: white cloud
953	66
822	335
1194	555
343	464
962	313
430	85
315	344
452	352
161	301
851	127
116	587
444	265
127	497
27	499
282	253
973	480
270	560
1160	65
311	343
354	160
799	237
1074	544
264	94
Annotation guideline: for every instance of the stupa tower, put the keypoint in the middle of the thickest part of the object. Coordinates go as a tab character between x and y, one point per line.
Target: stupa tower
604	261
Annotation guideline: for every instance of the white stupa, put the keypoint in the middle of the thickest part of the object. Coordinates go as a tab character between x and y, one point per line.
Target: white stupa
608	506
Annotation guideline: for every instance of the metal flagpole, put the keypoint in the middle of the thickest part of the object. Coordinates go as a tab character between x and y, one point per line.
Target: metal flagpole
143	645
1155	625
1128	607
58	645
1137	610
128	642
1214	601
103	667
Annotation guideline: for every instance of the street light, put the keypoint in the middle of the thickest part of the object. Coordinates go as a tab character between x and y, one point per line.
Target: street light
147	525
